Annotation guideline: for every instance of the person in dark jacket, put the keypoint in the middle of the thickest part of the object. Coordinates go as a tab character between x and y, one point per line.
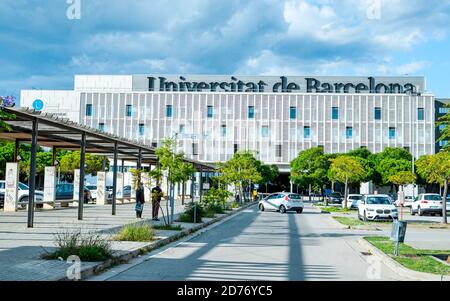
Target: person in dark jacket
157	194
140	200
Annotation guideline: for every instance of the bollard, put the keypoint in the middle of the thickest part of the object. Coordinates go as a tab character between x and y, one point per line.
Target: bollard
398	233
195	213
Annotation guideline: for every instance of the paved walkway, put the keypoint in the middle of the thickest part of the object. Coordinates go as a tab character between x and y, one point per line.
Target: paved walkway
21	247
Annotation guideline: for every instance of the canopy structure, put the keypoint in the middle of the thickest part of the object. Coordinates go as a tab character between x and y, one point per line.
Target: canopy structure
48	130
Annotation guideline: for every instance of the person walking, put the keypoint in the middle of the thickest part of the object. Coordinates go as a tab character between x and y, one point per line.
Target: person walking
140	200
157	194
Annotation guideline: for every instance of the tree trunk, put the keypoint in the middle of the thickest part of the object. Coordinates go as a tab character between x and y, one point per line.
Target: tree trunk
444	203
182	192
346	194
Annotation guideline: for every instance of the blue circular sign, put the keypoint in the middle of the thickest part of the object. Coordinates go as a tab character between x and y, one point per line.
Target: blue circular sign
38	104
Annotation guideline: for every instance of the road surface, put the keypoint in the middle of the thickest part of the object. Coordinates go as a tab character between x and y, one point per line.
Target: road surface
262	246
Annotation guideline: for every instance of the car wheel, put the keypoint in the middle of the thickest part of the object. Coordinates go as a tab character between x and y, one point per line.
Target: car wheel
282	209
365	217
420	211
299	211
412	211
261	207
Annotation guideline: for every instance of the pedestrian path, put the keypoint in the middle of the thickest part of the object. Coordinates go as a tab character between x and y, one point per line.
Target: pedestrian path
21	247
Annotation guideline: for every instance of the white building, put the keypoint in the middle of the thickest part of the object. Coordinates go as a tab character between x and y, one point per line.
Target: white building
214	116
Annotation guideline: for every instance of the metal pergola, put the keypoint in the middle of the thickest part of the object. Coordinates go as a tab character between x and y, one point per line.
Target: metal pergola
49	130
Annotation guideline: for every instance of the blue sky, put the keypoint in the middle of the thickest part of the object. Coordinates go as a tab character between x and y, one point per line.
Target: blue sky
42	48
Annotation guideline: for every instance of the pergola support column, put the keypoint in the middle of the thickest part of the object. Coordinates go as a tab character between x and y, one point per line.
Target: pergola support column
32	176
82	173
114	200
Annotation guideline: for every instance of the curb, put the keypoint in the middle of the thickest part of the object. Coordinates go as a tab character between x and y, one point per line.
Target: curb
400	269
127	256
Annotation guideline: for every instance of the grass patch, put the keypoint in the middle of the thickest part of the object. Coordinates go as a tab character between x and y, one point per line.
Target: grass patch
411	258
334	209
87	246
168	227
136	232
349	221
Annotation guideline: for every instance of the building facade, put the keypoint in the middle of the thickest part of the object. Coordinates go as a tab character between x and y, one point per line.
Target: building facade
212	117
441	110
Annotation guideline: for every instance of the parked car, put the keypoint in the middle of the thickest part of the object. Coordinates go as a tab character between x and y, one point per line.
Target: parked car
65	191
335	198
428	203
352	201
282	202
407	203
93	191
376	207
23	193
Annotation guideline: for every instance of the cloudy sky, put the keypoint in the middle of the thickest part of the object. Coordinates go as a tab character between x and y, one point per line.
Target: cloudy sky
42	48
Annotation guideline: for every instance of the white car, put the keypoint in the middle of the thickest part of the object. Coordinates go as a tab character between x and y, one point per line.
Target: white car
352	201
93	190
407	203
283	202
428	203
376	207
23	193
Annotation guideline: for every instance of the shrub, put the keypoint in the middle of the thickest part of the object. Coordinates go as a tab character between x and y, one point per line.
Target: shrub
136	232
87	246
235	205
168	227
188	215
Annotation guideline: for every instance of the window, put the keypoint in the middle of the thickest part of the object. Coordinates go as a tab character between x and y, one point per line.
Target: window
335	113
154	144
307	132
391	133
169	111
278	151
210	111
349	132
236	148
265	131
101	127
89	110
223	130
443	110
293	112
377	113
420	114
141	129
195	149
251	112
181	129
129	111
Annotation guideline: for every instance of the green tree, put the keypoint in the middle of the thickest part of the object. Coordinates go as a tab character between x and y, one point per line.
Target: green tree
240	171
269	173
173	164
310	168
403	178
71	160
346	170
436	169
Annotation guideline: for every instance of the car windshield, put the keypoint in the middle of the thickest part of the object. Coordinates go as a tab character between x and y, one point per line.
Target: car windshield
90	187
335	194
432	197
355	197
378	201
23	186
295	196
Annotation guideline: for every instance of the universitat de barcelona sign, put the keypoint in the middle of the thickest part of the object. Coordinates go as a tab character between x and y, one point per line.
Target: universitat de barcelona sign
278	84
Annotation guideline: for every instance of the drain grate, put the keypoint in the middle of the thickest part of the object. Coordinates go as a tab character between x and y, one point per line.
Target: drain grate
366	253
